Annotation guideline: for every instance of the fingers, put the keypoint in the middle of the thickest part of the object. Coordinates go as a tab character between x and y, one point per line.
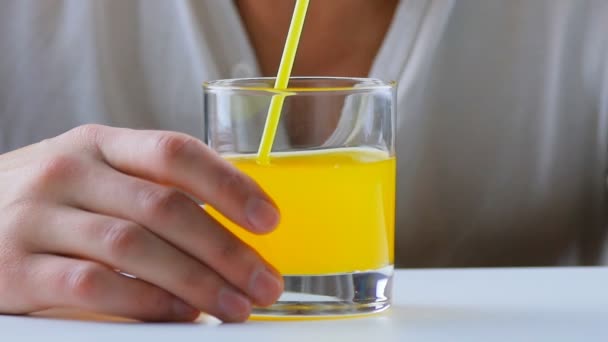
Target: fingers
134	250
186	163
59	282
182	223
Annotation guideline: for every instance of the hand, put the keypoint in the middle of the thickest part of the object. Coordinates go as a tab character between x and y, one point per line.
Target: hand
77	208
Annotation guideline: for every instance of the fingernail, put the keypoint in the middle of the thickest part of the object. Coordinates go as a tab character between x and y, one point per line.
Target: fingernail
234	305
184	310
265	287
262	215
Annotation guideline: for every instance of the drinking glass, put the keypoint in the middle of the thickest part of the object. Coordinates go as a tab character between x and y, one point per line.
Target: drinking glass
331	173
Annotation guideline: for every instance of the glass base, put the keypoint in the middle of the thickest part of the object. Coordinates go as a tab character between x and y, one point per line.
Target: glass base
331	296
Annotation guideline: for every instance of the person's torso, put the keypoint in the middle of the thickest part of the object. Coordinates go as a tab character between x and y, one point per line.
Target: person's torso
502	131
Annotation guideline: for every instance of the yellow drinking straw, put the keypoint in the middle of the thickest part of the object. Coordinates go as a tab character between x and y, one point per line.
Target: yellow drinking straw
282	81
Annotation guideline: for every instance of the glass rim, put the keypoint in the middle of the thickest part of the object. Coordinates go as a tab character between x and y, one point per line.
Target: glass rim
359	84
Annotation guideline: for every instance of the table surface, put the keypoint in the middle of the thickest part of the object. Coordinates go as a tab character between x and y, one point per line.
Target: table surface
521	304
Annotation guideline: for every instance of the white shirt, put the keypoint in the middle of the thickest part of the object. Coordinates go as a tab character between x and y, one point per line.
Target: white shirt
502	119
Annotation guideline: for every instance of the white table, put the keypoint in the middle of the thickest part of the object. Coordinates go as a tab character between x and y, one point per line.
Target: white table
559	304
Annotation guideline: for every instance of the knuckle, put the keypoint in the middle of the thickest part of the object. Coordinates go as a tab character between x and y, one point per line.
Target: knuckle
234	254
81	281
231	248
153	302
194	278
122	239
171	146
88	132
160	202
57	168
230	180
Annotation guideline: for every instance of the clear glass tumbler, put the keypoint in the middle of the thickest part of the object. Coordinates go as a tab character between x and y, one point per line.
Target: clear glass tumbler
332	174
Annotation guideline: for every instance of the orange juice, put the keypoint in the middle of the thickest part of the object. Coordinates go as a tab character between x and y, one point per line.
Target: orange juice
337	210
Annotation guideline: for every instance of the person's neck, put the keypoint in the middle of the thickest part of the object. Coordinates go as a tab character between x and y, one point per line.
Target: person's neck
341	37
